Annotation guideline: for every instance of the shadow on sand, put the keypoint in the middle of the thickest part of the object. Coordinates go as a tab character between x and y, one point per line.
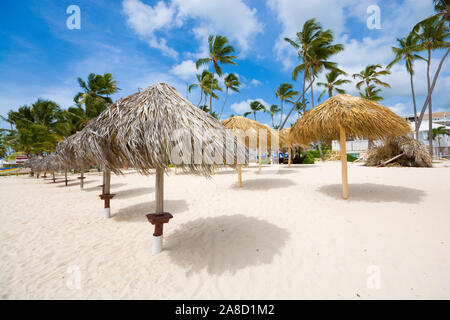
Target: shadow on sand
371	192
113	186
225	243
76	183
263	184
130	193
137	212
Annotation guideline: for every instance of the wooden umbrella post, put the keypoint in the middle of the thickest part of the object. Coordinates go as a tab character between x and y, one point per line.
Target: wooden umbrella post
81	177
160	217
259	158
343	163
65	175
239	168
53	174
289	155
106	193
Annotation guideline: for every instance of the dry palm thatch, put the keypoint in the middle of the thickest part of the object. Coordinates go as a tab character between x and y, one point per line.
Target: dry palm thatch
361	118
415	153
286	139
49	163
155	128
69	152
255	136
252	129
34	163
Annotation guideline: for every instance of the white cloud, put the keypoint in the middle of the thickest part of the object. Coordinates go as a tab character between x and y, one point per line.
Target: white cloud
255	82
244	106
399	108
145	20
232	18
185	70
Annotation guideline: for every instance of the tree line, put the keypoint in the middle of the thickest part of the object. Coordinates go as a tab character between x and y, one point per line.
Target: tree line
36	129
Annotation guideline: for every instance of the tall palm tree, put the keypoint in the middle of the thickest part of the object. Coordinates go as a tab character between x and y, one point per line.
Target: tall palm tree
314	48
332	83
370	75
273	110
95	93
285	91
255	106
231	82
432	34
220	53
406	51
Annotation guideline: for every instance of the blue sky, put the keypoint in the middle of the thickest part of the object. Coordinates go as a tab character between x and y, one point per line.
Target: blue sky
142	42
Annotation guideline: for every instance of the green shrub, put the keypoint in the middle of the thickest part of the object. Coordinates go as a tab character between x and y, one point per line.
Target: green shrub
351	158
309	159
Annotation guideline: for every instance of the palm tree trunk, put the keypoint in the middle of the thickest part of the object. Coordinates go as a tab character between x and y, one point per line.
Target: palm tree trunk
281	115
212	83
223	106
201	96
424	107
312	106
414	104
430	114
293	107
254	115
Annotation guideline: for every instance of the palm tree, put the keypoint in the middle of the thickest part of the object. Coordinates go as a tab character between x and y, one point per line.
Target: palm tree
203	82
432	34
372	93
256	106
283	93
219	53
406	50
9	118
314	47
438	133
273	110
300	107
95	94
369	75
231	82
332	83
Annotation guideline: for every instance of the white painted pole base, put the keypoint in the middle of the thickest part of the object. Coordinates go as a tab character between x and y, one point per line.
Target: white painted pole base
107	213
157	244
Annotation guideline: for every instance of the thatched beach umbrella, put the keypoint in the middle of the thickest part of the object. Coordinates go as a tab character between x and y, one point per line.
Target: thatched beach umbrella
70	154
344	116
51	164
155	128
253	134
286	141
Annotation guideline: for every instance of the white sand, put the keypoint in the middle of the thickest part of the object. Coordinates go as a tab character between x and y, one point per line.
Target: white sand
284	235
